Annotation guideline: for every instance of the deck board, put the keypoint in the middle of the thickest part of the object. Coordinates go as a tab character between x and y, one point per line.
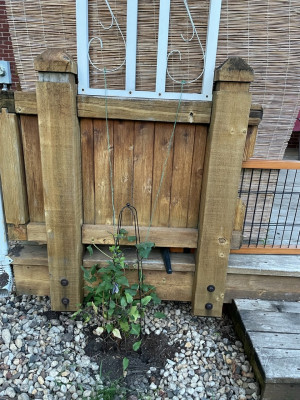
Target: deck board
270	331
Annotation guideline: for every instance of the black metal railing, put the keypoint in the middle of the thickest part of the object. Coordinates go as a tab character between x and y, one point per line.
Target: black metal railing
272	199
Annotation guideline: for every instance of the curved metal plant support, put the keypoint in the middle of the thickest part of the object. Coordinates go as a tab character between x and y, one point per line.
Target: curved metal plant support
113	21
195	33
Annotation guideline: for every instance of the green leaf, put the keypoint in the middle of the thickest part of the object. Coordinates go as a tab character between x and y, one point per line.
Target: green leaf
112	304
123	231
125	363
109	328
123	301
129	298
155	298
122	280
137	345
131	238
117	333
159	315
144	248
94	269
134	313
146	300
135	329
124	326
90	250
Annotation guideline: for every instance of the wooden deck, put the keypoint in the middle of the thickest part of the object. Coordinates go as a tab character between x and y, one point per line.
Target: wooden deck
270	331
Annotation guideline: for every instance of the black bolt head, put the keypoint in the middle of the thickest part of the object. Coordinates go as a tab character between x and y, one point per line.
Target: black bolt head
65	301
64	282
208	306
211	288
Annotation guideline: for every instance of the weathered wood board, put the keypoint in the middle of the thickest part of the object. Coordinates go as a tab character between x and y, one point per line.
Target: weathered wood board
270	332
32	273
33	167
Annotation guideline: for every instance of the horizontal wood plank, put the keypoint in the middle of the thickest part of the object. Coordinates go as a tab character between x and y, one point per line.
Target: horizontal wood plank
181	262
271	164
267	250
268	306
264	287
136	109
273	265
161	236
271	321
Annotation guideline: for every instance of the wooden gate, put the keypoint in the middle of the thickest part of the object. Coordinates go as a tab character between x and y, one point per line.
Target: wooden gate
66	198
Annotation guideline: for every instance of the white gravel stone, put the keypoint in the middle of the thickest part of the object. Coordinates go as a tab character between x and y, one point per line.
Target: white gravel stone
6	336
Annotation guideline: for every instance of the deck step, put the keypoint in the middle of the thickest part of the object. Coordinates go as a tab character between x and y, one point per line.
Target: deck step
270	332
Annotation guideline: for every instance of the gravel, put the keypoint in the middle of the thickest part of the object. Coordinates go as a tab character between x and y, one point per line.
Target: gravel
44	358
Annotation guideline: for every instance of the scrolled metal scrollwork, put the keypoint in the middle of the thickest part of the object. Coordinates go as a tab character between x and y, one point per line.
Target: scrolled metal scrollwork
195	33
96	38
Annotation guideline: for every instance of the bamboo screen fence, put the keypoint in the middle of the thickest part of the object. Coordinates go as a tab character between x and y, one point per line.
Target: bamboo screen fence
265	34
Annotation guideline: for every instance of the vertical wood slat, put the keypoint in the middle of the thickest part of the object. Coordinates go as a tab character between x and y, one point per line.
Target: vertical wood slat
87	164
162	212
223	162
12	170
143	170
196	176
103	201
181	176
33	167
123	166
61	169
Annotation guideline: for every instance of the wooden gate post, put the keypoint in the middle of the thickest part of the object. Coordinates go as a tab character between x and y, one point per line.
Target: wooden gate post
59	132
222	168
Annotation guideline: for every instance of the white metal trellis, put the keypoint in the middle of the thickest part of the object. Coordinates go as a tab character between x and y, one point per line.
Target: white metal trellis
83	59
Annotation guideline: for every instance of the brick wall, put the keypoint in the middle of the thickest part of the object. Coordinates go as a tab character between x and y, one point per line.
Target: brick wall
6	50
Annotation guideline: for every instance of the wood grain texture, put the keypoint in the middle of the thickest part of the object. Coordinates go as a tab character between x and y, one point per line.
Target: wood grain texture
161	213
33	167
197	112
266	250
12	170
25	103
32	280
143	169
250	142
181	175
265	287
196	175
270	333
61	169
88	170
161	236
103	197
271	164
17	232
144	109
223	162
123	167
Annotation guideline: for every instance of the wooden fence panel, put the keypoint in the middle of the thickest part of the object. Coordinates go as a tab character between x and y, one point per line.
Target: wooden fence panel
181	175
88	171
103	203
196	176
33	167
143	167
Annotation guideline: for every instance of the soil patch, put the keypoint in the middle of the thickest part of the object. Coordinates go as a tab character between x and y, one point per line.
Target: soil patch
152	356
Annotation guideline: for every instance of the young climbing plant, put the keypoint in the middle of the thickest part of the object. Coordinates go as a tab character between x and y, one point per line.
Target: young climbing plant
120	306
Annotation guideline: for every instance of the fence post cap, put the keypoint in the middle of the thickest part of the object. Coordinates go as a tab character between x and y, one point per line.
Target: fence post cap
234	69
55	60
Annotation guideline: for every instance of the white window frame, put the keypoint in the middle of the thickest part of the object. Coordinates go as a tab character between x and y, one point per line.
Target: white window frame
162	54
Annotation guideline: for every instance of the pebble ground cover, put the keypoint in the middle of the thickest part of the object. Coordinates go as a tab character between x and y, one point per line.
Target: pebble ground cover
46	355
